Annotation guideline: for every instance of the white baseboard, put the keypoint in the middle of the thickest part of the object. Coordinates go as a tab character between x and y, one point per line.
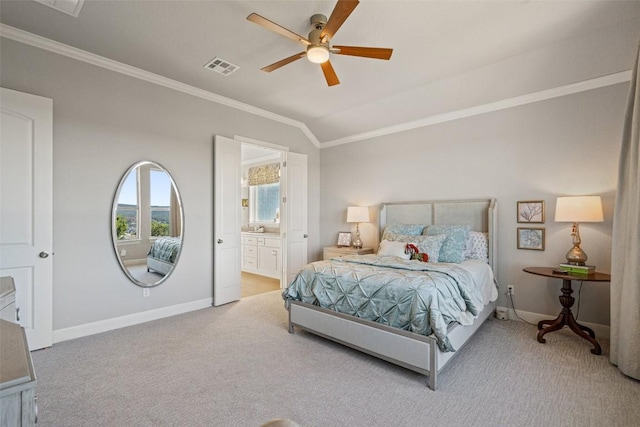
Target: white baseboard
601	331
129	320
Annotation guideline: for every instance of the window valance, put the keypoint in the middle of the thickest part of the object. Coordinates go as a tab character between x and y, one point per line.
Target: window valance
265	174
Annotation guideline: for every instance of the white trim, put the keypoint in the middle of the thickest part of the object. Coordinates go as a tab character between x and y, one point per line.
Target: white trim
260	143
129	320
81	55
119	67
601	331
529	98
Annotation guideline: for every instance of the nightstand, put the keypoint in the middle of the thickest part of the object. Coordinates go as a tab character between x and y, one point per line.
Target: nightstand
566	316
335	251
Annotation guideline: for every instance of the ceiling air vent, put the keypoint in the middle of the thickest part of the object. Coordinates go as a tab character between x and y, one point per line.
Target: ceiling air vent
221	66
70	7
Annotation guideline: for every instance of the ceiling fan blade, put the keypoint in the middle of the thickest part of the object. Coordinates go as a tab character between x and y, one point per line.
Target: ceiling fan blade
270	25
340	13
329	74
283	62
367	52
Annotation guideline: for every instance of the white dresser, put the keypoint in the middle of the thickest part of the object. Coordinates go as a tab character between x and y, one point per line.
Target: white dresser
8	300
17	378
262	254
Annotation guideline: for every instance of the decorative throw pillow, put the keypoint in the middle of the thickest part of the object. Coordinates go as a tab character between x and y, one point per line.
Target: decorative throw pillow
477	246
393	248
431	245
405	229
453	247
426	244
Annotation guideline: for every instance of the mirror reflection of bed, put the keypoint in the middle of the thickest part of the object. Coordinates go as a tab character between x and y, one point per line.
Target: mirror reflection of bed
261	241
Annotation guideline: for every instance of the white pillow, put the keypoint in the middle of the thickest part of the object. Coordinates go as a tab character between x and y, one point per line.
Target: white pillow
477	246
389	248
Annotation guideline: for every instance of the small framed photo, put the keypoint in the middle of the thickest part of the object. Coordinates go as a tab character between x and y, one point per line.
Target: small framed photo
531	238
531	212
344	239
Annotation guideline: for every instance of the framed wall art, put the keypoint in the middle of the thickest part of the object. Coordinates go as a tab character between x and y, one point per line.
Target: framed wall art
531	211
344	239
531	238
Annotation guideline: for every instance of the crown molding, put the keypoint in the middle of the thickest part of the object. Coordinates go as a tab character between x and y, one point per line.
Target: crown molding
529	98
31	39
119	67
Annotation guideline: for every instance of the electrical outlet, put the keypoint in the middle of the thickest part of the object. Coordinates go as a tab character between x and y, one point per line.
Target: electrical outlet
146	292
510	290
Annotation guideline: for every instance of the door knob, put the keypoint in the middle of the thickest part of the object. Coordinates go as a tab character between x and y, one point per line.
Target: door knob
43	254
219	241
305	236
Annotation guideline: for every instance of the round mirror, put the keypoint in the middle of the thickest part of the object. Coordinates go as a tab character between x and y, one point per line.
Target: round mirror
147	224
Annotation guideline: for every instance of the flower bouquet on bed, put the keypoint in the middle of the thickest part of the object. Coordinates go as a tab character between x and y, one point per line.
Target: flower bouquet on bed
414	253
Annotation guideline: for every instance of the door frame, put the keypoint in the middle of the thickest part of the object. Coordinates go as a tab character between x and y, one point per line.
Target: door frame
283	218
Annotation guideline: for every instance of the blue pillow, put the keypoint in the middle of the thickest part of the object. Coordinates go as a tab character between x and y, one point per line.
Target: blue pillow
452	249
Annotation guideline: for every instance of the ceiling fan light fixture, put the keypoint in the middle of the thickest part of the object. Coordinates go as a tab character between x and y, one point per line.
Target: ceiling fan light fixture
318	54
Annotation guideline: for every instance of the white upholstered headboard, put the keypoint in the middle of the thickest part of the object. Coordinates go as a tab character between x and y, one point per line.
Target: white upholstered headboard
479	213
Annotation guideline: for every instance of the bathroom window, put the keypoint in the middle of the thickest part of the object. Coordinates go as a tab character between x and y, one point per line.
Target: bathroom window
265	203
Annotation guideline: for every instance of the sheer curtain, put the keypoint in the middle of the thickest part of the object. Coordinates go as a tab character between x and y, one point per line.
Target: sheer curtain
625	265
175	219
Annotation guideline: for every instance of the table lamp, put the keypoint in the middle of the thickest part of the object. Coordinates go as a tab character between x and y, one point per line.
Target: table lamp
577	209
357	214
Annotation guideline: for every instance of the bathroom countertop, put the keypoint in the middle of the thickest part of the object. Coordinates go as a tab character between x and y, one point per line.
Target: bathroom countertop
257	233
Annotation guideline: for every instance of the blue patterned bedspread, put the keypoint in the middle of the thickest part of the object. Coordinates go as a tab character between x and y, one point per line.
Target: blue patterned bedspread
165	249
423	298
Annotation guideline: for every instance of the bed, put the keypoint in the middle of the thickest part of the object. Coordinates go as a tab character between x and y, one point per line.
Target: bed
162	254
415	314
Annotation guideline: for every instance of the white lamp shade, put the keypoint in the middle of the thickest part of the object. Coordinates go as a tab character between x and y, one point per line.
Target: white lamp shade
579	209
358	214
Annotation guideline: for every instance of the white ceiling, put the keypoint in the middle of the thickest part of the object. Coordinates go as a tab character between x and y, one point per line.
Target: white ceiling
432	41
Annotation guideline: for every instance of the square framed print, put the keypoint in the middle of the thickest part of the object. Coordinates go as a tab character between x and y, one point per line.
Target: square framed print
344	239
531	238
531	211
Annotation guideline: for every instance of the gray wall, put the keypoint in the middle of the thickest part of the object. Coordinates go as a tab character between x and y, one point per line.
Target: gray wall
103	123
563	146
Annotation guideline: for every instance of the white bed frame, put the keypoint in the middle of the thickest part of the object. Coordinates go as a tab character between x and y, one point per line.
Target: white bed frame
158	265
407	349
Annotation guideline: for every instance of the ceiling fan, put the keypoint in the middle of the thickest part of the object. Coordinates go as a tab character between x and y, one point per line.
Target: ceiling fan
318	44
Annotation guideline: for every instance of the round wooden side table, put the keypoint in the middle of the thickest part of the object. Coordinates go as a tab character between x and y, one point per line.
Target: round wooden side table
566	316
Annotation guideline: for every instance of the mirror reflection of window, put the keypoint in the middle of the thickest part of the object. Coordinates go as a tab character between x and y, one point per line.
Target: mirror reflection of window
159	196
128	211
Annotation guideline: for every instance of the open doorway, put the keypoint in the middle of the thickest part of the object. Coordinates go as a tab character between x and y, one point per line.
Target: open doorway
261	240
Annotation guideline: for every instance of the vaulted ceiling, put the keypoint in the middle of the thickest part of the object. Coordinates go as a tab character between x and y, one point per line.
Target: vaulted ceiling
447	55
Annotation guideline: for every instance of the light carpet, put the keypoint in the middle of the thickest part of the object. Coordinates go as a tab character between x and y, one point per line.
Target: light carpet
237	365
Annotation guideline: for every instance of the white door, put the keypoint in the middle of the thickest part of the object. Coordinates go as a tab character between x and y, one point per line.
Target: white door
26	209
227	286
296	215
